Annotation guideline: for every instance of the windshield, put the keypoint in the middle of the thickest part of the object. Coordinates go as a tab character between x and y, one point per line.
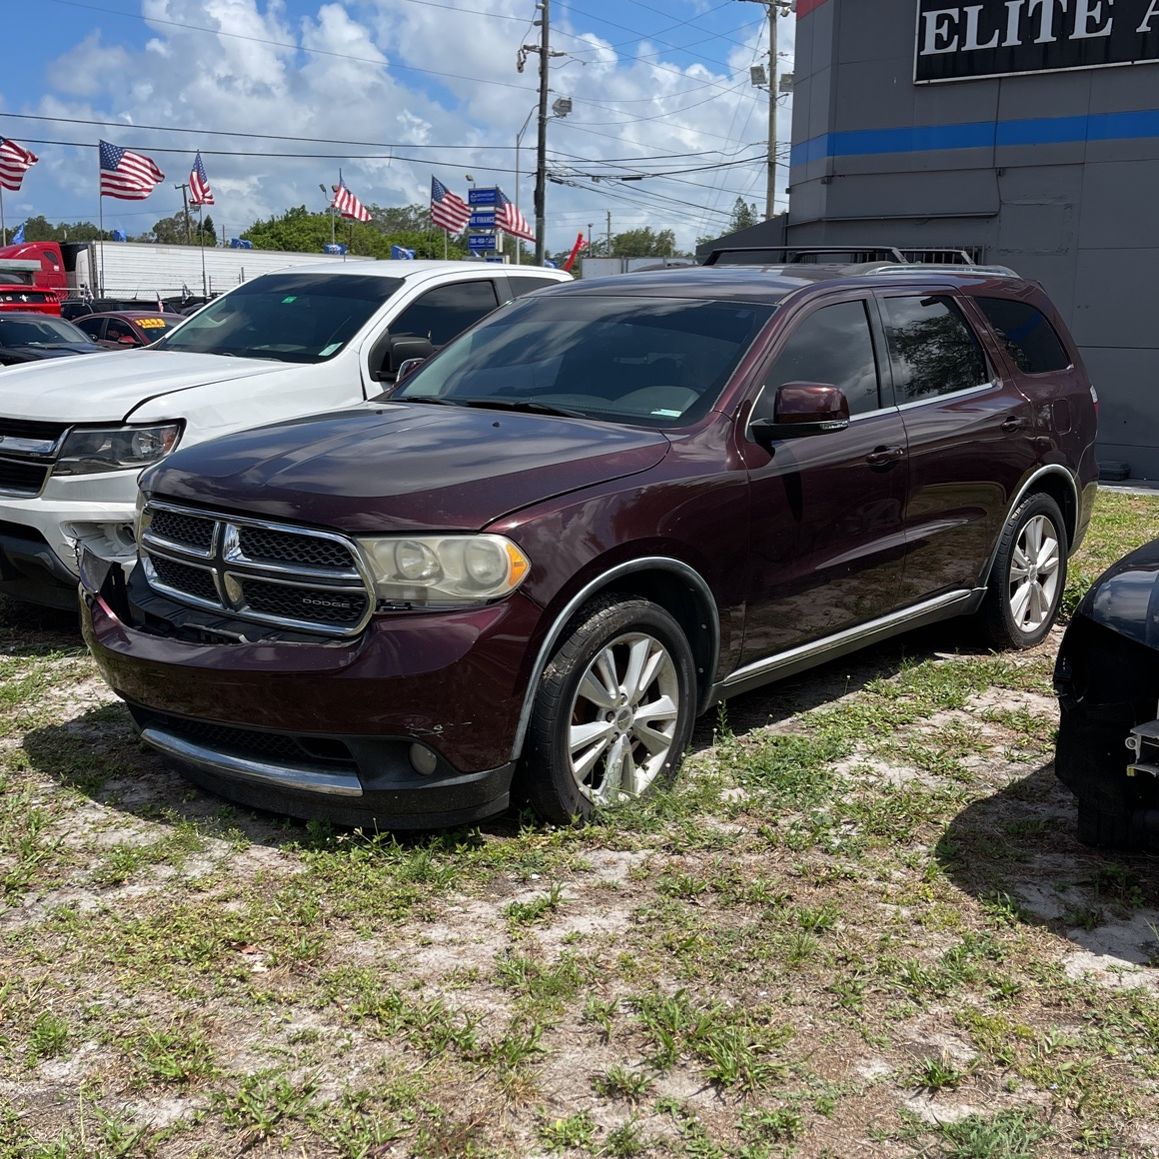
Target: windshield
38	332
652	361
289	317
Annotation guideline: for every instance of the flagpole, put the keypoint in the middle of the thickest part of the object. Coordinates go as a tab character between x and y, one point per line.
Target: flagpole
445	251
101	219
201	235
3	226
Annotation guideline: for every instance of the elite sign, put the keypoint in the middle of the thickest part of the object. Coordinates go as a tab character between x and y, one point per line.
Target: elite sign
1005	37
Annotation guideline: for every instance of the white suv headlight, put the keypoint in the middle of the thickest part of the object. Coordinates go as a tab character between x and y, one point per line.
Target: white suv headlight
444	570
87	451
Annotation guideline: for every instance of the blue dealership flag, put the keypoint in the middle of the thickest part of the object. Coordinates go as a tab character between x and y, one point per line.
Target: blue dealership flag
18	234
120	235
401	253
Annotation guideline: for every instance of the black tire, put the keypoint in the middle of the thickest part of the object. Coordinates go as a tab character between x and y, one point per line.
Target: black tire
605	629
1102	829
1009	579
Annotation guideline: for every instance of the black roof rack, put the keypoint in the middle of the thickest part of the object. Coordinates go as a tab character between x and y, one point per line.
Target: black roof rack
853	255
792	254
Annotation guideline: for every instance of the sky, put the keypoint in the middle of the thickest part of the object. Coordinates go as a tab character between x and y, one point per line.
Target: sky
666	129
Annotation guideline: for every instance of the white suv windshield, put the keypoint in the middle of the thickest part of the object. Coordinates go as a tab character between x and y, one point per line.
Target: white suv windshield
289	317
656	361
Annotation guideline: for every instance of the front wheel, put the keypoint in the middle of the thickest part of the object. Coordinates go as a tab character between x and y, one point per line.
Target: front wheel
614	711
1028	577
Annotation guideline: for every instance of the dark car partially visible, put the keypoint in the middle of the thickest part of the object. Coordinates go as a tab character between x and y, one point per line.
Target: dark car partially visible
1107	679
33	337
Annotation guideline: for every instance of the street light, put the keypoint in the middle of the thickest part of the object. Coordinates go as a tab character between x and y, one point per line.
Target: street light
329	210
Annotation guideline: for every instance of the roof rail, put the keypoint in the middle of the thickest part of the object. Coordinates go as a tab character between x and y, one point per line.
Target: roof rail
938	268
793	254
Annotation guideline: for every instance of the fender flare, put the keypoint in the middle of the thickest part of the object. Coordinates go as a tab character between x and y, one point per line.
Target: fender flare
673	566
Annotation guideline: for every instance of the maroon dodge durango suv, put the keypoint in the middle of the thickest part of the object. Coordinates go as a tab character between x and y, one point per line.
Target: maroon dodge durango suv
604	508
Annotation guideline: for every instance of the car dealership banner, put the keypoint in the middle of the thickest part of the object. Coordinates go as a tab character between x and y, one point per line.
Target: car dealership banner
1004	37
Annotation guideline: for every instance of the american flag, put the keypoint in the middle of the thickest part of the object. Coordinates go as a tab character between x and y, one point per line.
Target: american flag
348	205
509	219
200	193
127	175
15	161
448	210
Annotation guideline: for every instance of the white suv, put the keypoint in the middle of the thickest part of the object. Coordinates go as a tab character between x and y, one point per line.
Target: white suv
75	433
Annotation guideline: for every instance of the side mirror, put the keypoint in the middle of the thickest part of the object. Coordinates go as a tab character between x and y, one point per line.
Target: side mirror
801	409
400	350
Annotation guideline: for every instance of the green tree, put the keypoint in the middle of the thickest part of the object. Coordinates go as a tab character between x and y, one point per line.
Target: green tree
39	228
644	243
175	230
744	215
302	231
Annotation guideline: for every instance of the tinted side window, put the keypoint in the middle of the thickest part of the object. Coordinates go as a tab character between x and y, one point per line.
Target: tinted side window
932	349
831	346
1027	335
443	312
91	326
523	284
118	330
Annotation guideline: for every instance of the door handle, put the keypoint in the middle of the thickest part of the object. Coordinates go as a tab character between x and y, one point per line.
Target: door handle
885	456
1012	423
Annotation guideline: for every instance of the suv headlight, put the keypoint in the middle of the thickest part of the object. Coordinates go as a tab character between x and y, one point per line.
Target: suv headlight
444	570
89	450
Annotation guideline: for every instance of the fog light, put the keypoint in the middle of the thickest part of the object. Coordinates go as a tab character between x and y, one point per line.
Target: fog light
424	761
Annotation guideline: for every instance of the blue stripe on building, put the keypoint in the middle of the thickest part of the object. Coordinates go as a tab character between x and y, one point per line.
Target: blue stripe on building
979	135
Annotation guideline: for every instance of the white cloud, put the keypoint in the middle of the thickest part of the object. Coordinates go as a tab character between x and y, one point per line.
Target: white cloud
361	80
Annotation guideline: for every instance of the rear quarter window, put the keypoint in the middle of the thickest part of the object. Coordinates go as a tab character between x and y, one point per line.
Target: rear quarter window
523	284
1029	338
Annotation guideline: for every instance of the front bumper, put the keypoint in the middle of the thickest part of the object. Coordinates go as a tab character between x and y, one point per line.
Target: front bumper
1108	691
326	729
40	535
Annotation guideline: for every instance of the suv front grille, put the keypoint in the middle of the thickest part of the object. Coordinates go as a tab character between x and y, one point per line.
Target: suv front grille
251	569
22	478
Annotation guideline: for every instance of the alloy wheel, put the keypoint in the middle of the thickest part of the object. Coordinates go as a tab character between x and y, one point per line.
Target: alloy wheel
623	719
1034	574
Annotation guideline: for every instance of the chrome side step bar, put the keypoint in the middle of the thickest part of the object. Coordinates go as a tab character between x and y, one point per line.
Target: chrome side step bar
302	778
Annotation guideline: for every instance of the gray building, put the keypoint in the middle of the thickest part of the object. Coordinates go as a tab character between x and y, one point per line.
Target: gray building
1025	131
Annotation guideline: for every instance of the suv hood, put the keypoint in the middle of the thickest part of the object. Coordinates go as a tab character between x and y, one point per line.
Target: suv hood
403	466
109	388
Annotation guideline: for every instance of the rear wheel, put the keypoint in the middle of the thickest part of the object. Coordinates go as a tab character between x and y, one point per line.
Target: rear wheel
614	711
1028	577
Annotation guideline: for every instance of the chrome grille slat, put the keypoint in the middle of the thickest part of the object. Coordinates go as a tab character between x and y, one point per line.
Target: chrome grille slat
251	569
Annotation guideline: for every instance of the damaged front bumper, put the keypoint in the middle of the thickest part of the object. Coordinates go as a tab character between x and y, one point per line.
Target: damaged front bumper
409	726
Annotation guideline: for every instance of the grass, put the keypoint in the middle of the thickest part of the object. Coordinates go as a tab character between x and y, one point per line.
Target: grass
863	897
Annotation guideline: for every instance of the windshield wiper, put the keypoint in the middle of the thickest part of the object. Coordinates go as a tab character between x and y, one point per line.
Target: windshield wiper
434	400
526	405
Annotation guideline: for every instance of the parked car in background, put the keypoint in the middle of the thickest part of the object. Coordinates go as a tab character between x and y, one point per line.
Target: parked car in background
126	328
1107	679
597	513
35	337
279	346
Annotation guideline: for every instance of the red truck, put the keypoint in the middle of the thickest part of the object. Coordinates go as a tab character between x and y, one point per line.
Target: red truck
141	272
22	289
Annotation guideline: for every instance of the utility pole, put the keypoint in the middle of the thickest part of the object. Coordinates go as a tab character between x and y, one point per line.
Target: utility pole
184	187
774	8
545	55
609	234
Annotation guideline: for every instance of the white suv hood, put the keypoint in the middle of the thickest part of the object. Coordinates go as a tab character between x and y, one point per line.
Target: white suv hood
108	387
